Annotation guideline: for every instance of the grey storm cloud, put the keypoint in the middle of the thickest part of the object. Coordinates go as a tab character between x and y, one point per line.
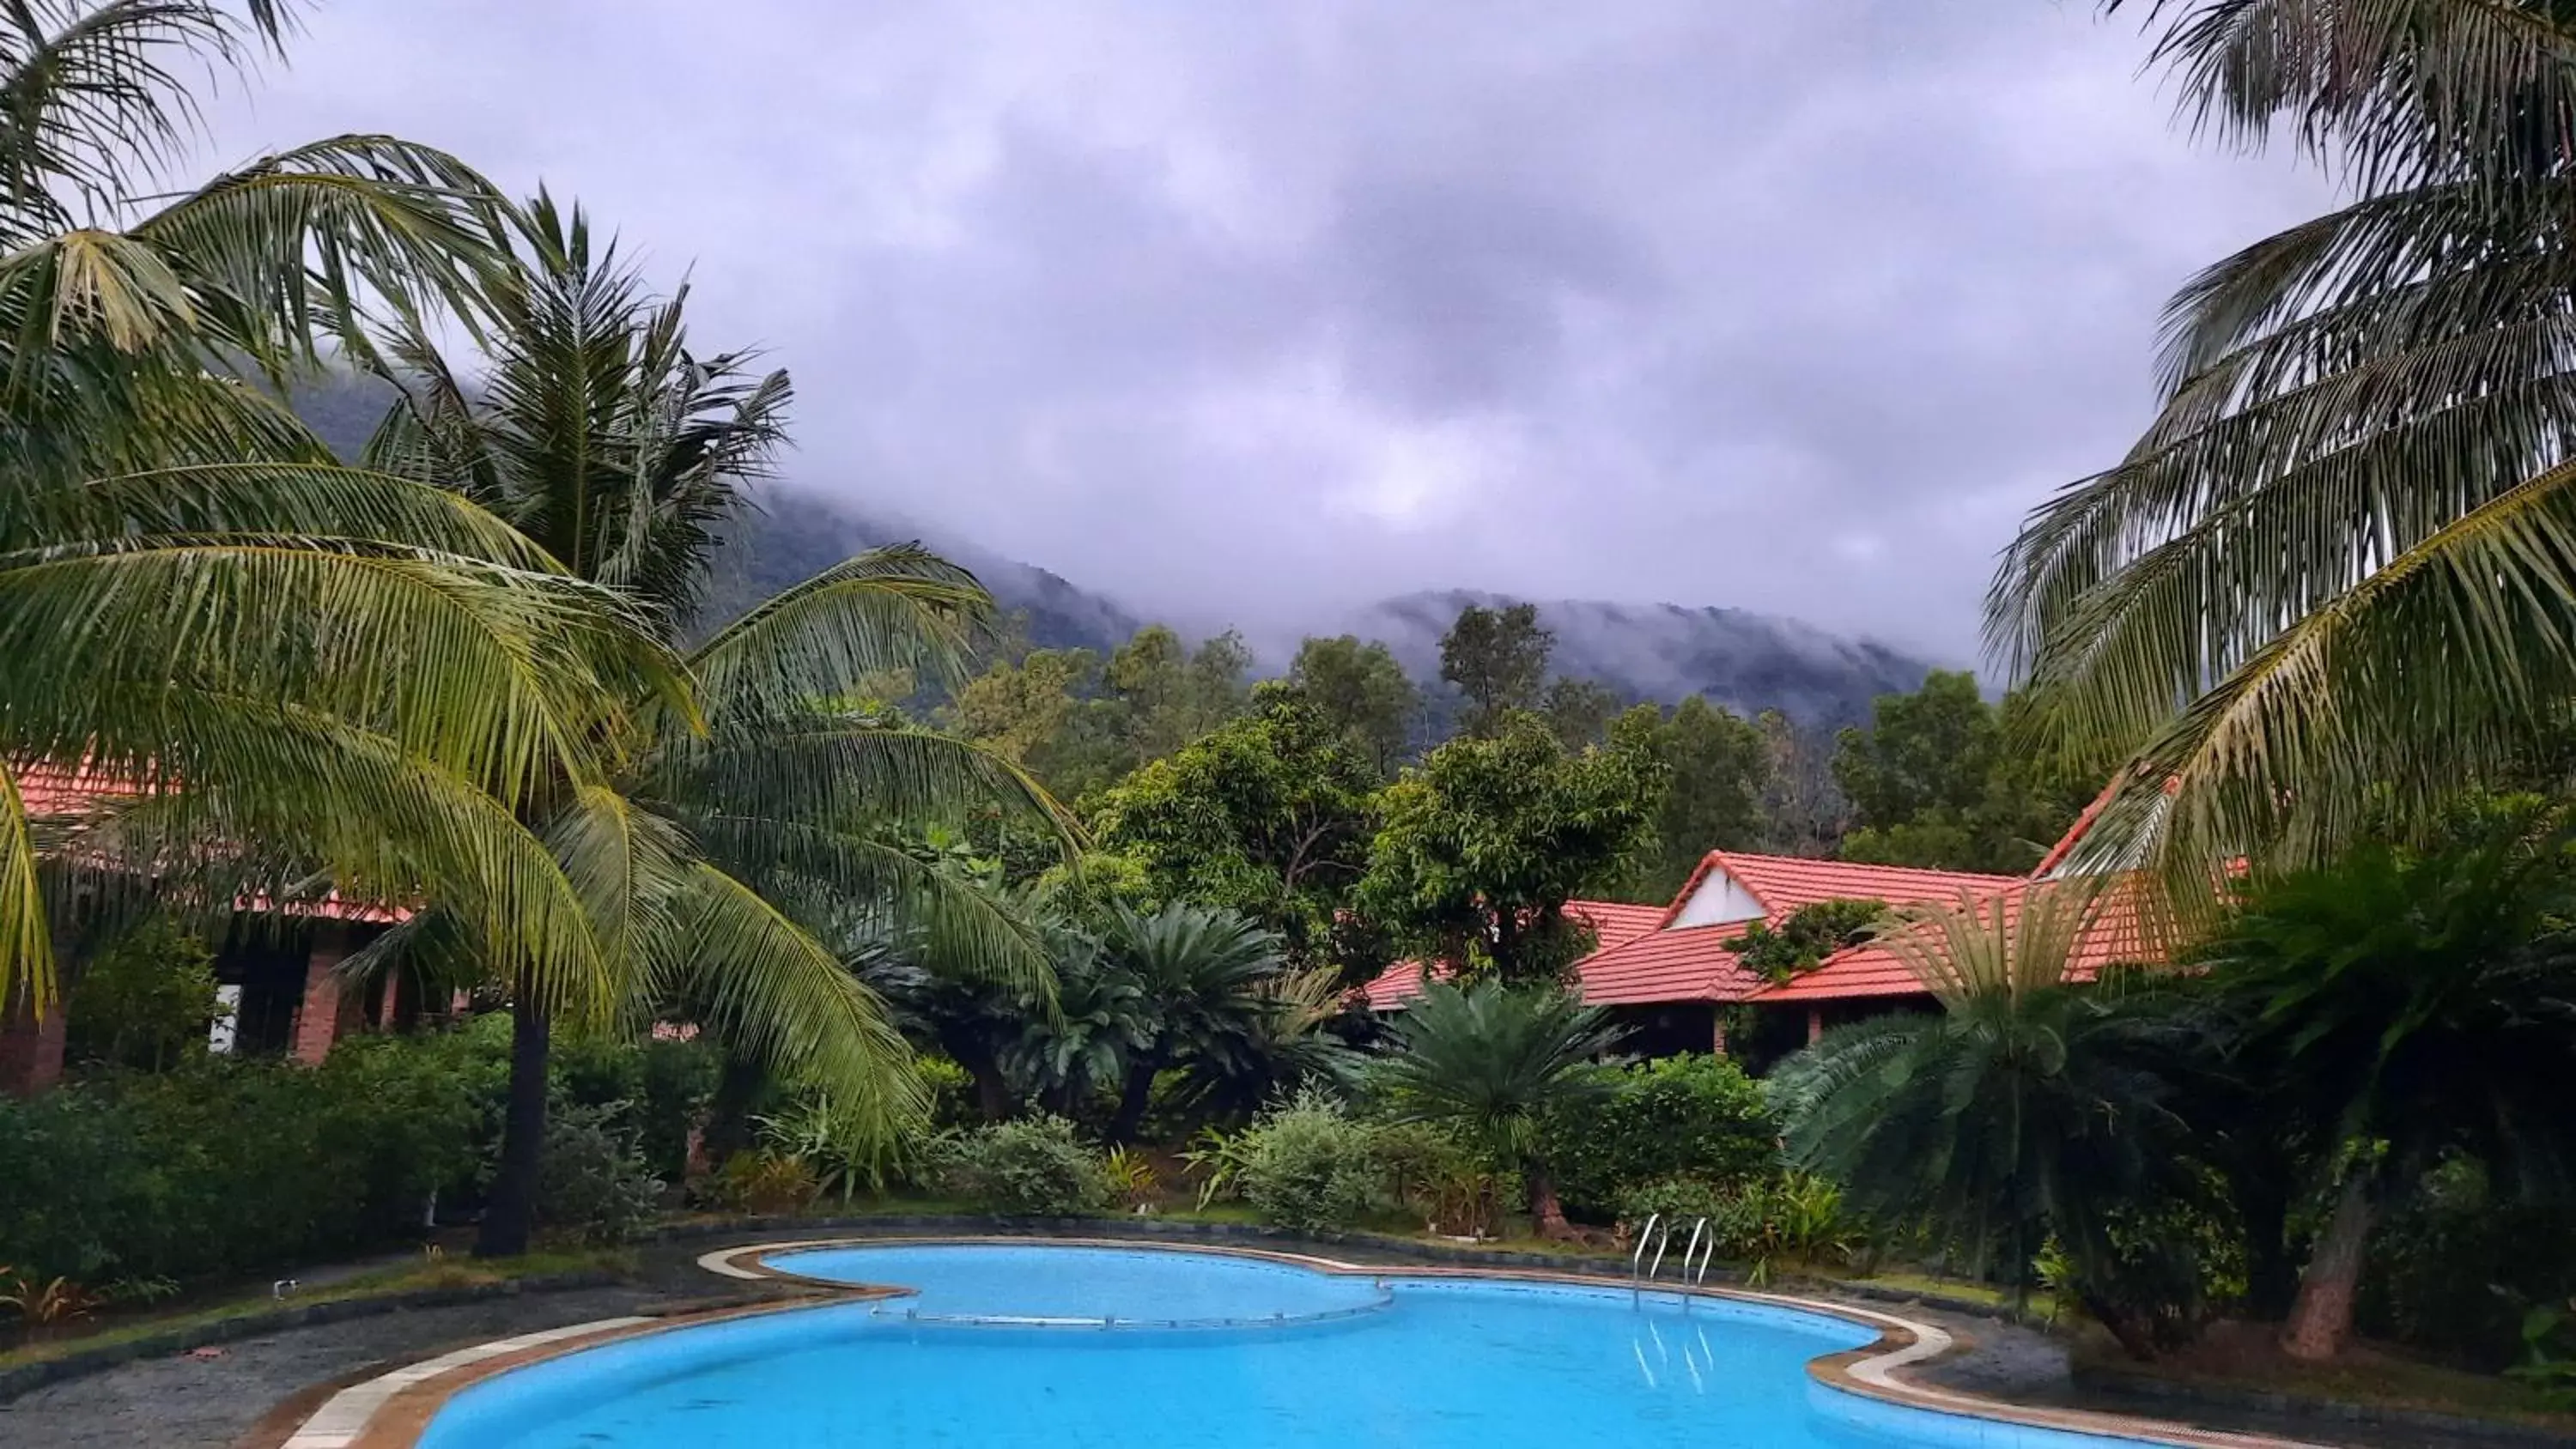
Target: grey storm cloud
1245	312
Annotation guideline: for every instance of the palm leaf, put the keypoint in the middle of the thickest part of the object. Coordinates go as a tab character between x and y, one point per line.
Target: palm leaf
775	990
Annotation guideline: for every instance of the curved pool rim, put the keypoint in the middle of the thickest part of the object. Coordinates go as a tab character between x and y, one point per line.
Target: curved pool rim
393	1409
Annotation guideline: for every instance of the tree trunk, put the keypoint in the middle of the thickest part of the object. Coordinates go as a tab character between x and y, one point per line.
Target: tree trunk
992	1091
2123	1325
510	1217
1133	1098
1545	1211
2271	1278
729	1112
2321	1318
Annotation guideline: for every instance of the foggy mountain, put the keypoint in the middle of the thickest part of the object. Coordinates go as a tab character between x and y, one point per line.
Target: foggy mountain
1746	661
1665	652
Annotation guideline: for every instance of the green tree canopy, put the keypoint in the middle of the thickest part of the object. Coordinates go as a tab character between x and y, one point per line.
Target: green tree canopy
1943	779
1361	690
357	677
1270	815
1579	710
1497	658
1485	841
1716	769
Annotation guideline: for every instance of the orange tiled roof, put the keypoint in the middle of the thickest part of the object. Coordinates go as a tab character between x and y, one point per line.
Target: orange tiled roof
1644	960
1691	963
2117	933
1611	921
51	791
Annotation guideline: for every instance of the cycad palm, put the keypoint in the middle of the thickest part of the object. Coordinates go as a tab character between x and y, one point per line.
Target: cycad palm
1202	975
731	832
2336	580
1494	1062
357	674
2404	1007
2026	1106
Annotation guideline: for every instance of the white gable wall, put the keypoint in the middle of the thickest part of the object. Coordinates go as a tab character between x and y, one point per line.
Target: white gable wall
1718	901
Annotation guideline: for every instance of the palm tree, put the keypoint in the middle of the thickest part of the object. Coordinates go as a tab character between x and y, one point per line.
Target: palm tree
2409	1006
1064	1052
2335	582
2026	1106
1201	976
1495	1063
331	671
760	808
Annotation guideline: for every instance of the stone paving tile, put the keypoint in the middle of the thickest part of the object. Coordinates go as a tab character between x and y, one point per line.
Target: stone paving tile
189	1403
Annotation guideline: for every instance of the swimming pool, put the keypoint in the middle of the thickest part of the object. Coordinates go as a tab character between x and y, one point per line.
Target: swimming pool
1004	1346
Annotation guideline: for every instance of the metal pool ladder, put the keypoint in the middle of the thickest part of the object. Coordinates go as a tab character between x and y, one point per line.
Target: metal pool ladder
1658	1234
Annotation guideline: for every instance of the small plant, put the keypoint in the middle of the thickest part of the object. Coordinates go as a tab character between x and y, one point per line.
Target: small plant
56	1301
842	1152
1131	1177
2055	1272
2548	1354
140	1290
1216	1158
766	1183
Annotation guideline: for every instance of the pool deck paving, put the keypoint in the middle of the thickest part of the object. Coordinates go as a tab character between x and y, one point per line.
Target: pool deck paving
293	1388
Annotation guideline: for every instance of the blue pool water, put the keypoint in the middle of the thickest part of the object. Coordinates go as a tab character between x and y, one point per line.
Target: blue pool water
1275	1363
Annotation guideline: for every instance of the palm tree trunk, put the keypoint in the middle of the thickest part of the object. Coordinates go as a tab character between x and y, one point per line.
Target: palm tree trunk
2321	1317
1133	1098
510	1217
1545	1210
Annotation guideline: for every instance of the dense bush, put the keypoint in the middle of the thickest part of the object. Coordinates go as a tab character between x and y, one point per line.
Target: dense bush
659	1087
2455	1271
594	1185
1031	1167
1685	1116
1307	1164
766	1182
1763	1221
225	1166
144	1001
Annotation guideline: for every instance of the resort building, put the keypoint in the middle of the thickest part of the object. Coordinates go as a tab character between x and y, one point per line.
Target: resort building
276	965
1670	974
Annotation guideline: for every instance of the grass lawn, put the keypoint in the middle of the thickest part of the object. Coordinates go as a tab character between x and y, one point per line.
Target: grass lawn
58	1340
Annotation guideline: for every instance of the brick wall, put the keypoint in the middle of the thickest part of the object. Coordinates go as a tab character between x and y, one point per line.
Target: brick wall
317	1019
31	1050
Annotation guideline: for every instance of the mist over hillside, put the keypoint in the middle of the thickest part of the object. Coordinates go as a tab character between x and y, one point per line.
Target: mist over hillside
1746	661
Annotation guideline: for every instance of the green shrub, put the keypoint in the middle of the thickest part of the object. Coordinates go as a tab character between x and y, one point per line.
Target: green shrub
766	1182
1306	1164
2456	1270
951	1088
594	1185
1685	1116
144	1001
678	1080
1794	1218
1030	1167
228	1167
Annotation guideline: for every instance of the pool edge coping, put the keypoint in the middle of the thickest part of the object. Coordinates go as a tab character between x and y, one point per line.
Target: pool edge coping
398	1404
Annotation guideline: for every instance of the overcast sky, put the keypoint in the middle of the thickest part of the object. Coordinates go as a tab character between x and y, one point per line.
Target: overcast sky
1241	311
